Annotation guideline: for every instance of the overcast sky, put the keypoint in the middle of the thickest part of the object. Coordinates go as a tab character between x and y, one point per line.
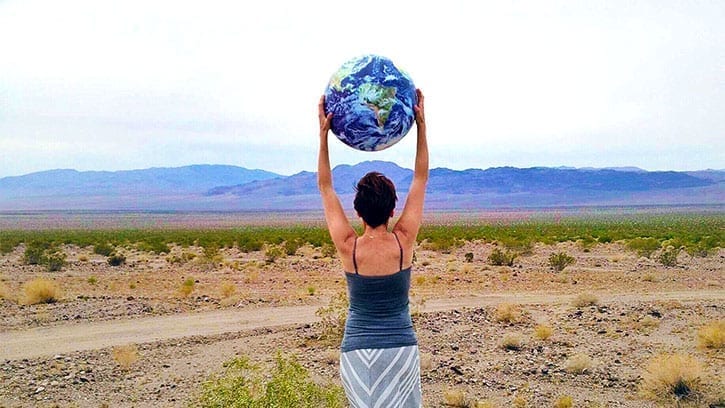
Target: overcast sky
110	85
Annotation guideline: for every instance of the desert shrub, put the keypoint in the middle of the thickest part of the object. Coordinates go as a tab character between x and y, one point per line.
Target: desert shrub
103	249
643	246
227	289
311	290
565	401
499	257
125	356
116	260
543	332
187	287
54	261
519	401
7	246
292	245
670	377
272	252
585	299
507	313
40	291
92	280
35	252
668	256
328	251
426	361
511	341
468	257
287	385
3	291
333	318
578	364
455	397
712	335
604	239
152	245
560	260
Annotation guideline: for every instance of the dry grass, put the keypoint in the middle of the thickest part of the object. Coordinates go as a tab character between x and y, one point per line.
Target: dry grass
650	277
712	335
543	331
484	404
585	299
565	401
511	341
579	364
520	402
40	291
670	377
331	356
187	287
125	356
507	313
426	361
649	322
455	397
3	291
227	289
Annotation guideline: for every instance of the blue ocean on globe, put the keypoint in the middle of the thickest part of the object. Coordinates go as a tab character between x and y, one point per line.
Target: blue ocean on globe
372	102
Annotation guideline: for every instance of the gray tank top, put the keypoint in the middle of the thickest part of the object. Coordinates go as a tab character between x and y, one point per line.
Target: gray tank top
379	315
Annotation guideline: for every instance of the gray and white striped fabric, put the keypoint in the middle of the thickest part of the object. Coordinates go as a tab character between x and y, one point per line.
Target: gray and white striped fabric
376	378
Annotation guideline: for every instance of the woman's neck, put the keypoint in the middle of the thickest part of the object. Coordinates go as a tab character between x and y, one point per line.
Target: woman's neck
376	232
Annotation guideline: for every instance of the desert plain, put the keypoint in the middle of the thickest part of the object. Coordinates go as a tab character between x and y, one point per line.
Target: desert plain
151	330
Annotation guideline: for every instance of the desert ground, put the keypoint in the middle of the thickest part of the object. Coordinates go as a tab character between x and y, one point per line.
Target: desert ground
140	334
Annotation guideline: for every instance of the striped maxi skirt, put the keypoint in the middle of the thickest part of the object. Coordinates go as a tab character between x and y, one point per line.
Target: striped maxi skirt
382	378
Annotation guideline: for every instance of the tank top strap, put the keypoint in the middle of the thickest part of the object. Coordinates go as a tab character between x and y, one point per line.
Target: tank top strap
401	251
354	261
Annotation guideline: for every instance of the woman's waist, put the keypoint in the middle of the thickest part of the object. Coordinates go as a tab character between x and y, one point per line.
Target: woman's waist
379	321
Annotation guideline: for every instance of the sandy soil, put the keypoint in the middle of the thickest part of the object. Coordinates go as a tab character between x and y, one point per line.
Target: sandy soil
61	354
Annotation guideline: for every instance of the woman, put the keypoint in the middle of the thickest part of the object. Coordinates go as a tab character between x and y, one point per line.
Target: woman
379	364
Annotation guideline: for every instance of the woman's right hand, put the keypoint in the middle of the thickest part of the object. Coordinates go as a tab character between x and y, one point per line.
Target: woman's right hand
420	109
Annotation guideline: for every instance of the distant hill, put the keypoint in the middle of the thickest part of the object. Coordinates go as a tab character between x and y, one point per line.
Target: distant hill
149	181
230	188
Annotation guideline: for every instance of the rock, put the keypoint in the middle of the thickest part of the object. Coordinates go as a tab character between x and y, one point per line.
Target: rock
39	390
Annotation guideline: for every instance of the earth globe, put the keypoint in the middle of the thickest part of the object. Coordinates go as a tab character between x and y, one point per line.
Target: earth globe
371	101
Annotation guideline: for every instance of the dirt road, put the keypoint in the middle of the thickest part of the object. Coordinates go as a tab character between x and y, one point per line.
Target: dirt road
40	342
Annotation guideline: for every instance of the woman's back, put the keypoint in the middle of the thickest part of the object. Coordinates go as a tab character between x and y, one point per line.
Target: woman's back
378	256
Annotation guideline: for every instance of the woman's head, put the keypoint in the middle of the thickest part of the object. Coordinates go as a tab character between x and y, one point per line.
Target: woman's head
375	199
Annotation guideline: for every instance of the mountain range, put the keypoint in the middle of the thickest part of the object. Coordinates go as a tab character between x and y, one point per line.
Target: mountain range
232	188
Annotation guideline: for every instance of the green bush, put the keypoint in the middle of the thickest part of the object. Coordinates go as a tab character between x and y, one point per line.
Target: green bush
103	249
287	386
272	253
668	256
560	260
7	246
35	252
499	257
644	246
116	260
469	256
292	245
333	318
44	253
54	261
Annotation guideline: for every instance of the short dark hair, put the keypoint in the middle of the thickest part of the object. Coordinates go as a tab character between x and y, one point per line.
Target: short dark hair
375	198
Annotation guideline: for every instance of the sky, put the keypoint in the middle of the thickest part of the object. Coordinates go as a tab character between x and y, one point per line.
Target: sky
116	85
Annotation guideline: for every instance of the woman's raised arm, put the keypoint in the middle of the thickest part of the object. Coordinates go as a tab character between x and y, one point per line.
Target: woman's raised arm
339	226
412	216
